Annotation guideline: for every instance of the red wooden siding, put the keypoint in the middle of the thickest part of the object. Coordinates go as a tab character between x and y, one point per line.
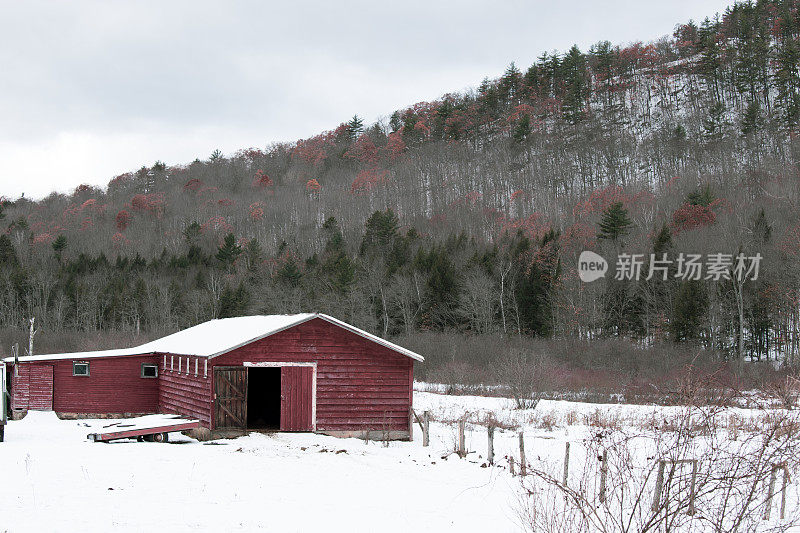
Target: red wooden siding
20	386
183	392
114	386
297	398
41	388
360	384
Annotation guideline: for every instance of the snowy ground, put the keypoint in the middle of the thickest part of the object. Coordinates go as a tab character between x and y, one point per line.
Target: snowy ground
53	479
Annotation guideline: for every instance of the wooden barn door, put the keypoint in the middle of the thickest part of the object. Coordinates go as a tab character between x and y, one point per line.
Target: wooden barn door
230	393
41	388
297	395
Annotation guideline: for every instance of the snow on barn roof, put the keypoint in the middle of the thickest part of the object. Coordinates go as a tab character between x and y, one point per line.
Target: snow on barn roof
220	336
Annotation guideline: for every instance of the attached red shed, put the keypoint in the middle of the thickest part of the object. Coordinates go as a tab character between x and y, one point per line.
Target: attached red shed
306	372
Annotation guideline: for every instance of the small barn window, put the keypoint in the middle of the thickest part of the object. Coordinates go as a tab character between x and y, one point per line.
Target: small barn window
172	362
196	361
80	369
149	371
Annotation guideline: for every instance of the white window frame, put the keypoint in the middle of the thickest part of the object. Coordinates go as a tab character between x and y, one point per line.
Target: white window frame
88	369
141	374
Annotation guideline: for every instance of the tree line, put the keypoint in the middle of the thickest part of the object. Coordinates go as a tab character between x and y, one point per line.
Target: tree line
466	213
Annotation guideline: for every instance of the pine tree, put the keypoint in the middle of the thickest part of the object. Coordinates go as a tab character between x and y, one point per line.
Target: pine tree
615	222
233	302
381	233
8	256
253	253
751	121
510	84
576	85
523	129
289	273
192	233
355	127
336	266
58	246
689	310
702	196
714	124
229	251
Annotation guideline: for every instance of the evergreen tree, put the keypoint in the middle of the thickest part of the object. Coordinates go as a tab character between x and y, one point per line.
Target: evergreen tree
336	266
615	222
689	310
355	127
229	251
253	253
510	84
576	85
192	233
233	302
702	196
714	124
751	120
534	291
522	129
289	273
58	246
8	256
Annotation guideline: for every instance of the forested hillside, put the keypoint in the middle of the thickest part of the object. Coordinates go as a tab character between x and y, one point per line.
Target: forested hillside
465	214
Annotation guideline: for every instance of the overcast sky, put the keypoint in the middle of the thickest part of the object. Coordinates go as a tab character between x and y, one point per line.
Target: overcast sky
89	90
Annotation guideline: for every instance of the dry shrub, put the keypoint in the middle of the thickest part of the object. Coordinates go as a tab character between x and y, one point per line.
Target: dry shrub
599	419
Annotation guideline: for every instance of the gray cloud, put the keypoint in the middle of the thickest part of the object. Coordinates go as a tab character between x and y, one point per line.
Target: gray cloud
90	89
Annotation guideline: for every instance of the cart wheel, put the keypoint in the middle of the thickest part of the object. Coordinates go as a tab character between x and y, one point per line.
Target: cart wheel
161	437
140	439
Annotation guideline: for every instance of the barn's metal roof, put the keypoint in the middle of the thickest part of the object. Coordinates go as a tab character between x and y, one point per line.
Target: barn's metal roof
220	336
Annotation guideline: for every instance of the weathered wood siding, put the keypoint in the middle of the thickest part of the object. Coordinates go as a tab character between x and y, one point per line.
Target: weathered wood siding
297	398
114	386
185	387
361	385
41	388
20	387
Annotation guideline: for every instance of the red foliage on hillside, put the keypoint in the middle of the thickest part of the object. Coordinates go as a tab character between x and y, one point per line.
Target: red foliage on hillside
688	217
313	185
261	180
122	220
152	203
193	184
367	180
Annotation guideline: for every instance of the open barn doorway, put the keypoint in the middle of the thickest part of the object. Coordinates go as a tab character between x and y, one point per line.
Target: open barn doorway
264	398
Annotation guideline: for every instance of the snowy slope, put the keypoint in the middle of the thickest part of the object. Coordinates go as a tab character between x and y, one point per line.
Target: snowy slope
56	480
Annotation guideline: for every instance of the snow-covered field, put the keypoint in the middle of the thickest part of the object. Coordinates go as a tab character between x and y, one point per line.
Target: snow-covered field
53	479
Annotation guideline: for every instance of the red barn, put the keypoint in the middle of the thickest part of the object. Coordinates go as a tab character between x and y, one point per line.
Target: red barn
305	372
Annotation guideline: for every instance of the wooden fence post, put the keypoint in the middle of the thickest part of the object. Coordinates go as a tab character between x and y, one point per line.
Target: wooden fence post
659	485
771	490
426	428
566	464
523	464
693	486
783	491
603	475
462	448
490	430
